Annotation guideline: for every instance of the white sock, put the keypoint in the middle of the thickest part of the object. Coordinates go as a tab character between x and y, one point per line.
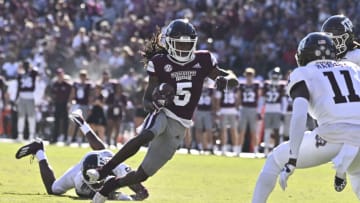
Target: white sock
21	125
267	135
240	149
40	155
85	128
266	181
32	127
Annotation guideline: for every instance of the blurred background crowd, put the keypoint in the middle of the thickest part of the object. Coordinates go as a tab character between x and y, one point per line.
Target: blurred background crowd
106	36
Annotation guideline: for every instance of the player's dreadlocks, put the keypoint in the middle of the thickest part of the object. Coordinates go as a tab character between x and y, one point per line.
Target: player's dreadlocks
153	47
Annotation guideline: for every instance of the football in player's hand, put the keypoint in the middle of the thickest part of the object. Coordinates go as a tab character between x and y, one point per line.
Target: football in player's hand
163	95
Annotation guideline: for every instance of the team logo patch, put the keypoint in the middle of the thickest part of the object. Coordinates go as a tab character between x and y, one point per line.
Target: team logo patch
168	68
320	142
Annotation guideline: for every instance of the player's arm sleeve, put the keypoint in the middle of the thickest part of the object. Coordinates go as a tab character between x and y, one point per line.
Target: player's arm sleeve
299	92
215	72
297	125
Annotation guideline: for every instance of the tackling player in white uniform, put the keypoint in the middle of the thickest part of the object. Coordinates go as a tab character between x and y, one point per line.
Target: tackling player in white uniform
76	177
341	30
329	90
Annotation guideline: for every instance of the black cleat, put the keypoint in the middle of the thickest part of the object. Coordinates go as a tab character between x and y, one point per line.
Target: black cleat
28	149
339	184
77	117
140	195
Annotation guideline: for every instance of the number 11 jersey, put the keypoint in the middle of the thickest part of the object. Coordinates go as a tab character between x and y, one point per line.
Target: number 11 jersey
334	89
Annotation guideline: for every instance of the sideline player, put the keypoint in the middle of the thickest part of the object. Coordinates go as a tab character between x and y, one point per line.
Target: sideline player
174	67
341	31
227	104
75	177
204	118
250	92
274	100
329	90
26	99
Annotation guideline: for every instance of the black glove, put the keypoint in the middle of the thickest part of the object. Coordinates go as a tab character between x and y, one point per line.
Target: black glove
221	83
259	117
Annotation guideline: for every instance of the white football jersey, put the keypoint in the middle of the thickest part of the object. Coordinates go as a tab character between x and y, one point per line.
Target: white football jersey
81	187
334	90
353	56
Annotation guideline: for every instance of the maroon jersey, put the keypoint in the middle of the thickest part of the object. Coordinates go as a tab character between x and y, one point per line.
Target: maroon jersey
205	102
249	94
228	97
108	91
187	79
61	91
273	92
26	81
82	92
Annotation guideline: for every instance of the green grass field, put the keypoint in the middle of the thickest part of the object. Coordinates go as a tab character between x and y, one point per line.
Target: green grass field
186	178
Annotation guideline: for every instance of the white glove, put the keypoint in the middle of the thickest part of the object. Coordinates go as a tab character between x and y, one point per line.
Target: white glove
287	171
93	175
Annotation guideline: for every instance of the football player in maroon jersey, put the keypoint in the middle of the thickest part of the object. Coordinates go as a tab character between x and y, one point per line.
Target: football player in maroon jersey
178	65
26	99
250	92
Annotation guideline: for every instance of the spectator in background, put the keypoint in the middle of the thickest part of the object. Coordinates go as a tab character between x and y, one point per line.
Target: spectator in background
60	91
10	67
80	99
25	97
117	60
128	81
3	102
82	20
108	91
80	45
115	115
137	98
96	118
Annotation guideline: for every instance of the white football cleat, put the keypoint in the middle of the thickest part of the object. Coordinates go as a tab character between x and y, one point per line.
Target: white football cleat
77	117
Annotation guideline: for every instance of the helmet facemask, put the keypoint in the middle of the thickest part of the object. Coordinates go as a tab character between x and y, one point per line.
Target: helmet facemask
182	48
340	42
93	161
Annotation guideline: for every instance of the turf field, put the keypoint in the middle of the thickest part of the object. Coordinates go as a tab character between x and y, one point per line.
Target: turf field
186	178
